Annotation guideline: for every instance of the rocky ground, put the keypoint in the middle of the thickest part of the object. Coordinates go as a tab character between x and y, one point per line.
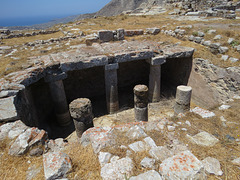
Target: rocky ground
200	144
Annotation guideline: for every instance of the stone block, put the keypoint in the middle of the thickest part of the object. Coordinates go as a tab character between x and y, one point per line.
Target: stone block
182	166
8	110
120	34
56	165
104	158
232	59
134	32
105	35
222	49
160	153
152	31
55	77
138	146
136	132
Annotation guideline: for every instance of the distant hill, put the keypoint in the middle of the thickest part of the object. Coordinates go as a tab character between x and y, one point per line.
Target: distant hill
116	7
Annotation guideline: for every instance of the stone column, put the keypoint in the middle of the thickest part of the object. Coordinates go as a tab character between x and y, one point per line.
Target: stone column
155	78
81	112
111	87
141	102
59	98
183	99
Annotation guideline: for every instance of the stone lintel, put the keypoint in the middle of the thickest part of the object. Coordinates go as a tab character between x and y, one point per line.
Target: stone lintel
159	60
110	67
55	77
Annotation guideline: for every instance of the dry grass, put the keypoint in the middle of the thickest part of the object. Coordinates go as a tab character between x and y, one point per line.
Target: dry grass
84	161
13	168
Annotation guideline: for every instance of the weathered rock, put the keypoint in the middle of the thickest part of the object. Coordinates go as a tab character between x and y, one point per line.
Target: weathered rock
153	31
201	34
203	139
149	175
7	109
224	57
212	166
104	158
56	165
198	39
232	59
98	137
230	40
138	146
160	153
56	145
236	161
136	132
12	130
148	162
32	172
222	49
202	112
36	152
182	166
212	31
26	140
217	37
150	142
119	169
224	107
207	43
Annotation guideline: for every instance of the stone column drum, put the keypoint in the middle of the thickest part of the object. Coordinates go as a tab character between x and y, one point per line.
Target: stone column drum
183	99
111	86
81	112
141	102
59	98
155	78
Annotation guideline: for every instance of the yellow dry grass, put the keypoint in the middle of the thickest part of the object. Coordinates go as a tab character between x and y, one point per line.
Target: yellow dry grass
13	168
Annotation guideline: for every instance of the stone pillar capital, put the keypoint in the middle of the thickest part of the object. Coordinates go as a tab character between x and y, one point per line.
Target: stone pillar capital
110	67
55	77
158	60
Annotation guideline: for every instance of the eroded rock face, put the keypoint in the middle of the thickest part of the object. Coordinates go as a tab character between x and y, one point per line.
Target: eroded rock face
56	165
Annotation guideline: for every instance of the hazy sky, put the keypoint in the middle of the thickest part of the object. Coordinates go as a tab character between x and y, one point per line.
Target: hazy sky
26	8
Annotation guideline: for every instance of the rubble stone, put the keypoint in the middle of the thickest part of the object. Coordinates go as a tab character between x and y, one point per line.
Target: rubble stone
149	175
203	139
56	165
212	166
119	169
182	166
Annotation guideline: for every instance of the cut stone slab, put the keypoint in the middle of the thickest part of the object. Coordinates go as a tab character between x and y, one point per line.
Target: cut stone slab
148	162
182	166
119	169
149	175
7	109
203	139
56	165
212	166
202	112
236	161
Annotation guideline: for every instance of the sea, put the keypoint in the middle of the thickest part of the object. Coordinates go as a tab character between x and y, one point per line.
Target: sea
28	21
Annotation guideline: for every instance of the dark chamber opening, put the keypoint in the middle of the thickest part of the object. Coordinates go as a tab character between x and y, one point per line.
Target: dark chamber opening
37	108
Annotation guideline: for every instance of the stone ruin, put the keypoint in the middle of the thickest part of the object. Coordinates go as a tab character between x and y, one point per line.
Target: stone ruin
105	73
